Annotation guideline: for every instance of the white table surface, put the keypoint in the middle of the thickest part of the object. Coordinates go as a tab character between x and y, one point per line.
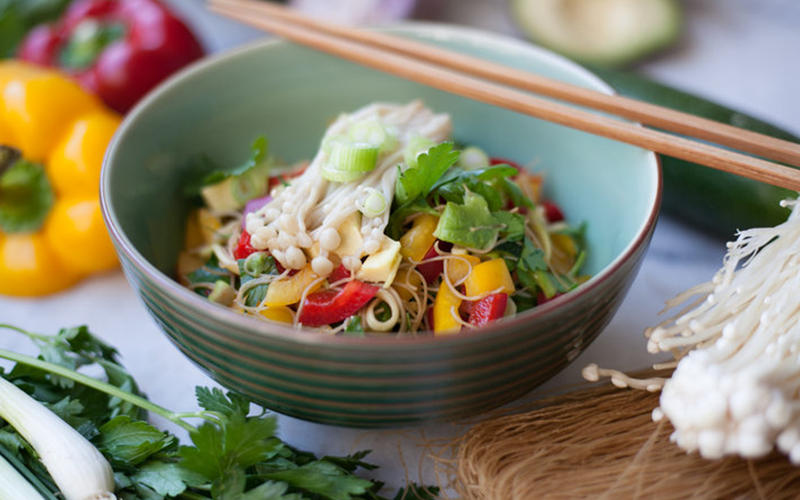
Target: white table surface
743	53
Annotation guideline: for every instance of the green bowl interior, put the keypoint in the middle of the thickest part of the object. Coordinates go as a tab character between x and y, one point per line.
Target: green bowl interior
290	94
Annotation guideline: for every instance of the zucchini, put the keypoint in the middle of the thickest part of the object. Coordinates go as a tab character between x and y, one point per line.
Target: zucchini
714	201
604	32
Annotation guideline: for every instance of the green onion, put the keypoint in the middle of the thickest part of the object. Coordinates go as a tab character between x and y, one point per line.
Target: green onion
77	467
373	204
13	484
349	161
416	146
473	158
372	132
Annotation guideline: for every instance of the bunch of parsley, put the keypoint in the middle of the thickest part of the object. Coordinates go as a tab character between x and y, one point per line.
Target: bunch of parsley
234	453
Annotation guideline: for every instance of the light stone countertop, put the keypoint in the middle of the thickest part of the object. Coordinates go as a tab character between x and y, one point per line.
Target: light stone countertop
742	53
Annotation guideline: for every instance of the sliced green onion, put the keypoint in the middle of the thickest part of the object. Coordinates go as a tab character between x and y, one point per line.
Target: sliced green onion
372	132
373	204
416	146
473	158
332	174
348	161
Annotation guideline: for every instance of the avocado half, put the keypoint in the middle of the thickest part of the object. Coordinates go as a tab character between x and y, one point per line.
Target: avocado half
608	33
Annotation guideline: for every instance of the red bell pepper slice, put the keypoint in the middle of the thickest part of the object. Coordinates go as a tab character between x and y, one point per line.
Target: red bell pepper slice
552	212
117	49
331	306
432	270
339	273
488	309
243	247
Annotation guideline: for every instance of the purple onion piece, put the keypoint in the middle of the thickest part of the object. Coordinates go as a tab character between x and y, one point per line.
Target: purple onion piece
254	205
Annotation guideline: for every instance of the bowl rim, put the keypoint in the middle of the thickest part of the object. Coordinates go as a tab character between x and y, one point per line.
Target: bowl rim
247	328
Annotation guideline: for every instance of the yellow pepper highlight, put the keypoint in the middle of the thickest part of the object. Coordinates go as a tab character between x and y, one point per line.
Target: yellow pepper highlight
489	276
445	310
51	120
417	240
290	290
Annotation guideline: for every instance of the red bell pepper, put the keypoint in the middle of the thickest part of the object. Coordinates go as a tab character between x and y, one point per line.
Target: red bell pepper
243	247
339	273
552	212
117	49
488	309
433	269
331	306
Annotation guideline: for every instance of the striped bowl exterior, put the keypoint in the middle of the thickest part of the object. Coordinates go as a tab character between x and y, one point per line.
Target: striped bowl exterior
385	382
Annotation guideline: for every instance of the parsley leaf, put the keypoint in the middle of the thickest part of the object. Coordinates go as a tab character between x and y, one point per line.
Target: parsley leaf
251	268
258	153
417	182
133	441
325	479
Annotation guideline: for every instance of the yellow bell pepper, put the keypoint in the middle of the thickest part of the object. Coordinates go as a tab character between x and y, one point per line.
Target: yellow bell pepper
52	122
290	290
418	240
489	276
445	310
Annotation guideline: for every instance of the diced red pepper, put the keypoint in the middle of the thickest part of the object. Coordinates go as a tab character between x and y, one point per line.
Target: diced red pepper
331	306
488	309
243	247
552	212
432	270
117	49
339	273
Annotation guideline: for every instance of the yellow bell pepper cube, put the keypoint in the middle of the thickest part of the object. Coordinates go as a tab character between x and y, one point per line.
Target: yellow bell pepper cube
62	133
459	266
418	240
280	314
290	290
489	276
445	311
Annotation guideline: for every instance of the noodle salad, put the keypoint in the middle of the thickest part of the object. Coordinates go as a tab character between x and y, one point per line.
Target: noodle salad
390	228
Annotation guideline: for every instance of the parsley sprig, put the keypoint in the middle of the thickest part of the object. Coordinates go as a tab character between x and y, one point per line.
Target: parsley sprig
234	453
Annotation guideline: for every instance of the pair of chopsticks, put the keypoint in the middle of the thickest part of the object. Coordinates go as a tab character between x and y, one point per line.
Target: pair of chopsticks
489	82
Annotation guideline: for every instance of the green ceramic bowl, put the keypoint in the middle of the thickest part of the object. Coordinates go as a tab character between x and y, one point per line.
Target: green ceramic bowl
289	93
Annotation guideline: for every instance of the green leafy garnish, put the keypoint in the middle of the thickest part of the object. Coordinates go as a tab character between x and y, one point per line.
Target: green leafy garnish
258	153
254	266
25	197
416	182
473	225
234	453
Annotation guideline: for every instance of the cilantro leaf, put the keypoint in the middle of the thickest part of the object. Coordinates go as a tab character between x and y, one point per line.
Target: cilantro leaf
416	182
132	441
513	224
236	443
258	153
325	479
164	478
470	225
251	268
214	400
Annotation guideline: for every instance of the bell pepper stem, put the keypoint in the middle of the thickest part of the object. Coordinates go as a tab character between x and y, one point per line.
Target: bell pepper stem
8	157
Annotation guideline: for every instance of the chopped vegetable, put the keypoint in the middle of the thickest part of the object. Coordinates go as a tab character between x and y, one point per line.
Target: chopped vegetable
488	309
329	306
117	49
435	228
52	232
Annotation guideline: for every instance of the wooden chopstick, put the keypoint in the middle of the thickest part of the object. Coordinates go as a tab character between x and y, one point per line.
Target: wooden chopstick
645	113
362	48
